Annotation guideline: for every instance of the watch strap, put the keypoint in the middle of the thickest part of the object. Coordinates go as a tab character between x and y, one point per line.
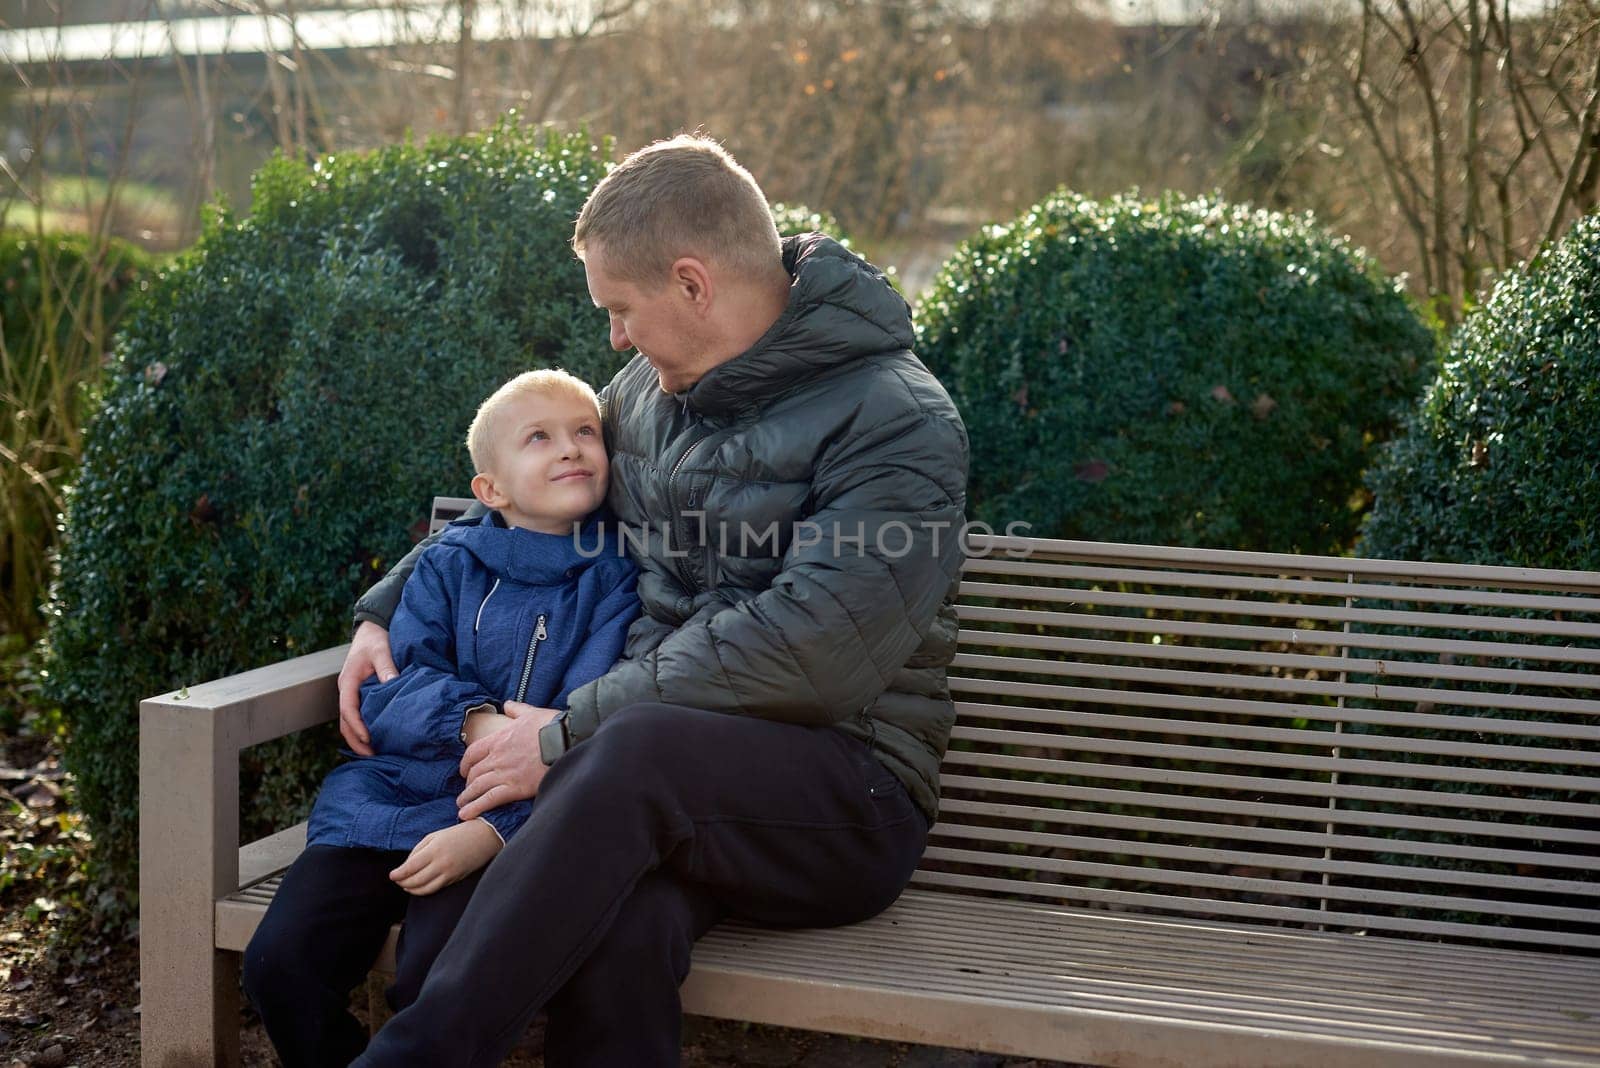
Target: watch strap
554	740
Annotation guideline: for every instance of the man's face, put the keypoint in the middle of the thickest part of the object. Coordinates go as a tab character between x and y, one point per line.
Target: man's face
659	323
550	463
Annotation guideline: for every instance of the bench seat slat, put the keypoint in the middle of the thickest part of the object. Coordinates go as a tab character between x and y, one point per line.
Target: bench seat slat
1379	968
1228	987
1039	954
1301	988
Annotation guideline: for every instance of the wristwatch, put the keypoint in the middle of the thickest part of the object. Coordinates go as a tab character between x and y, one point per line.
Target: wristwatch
554	739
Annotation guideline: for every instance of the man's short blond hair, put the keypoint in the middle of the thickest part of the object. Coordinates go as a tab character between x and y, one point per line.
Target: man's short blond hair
481	435
685	196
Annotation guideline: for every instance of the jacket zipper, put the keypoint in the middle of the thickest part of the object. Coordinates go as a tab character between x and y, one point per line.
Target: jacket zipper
681	526
533	652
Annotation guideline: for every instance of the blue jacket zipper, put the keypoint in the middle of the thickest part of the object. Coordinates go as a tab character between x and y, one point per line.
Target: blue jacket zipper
539	635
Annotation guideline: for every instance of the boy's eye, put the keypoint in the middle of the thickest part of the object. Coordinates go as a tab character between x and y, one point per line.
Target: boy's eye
586	430
537	435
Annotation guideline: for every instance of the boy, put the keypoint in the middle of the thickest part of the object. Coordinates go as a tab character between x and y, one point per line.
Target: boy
516	606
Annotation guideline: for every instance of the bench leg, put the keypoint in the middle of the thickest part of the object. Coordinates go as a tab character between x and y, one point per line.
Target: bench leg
188	857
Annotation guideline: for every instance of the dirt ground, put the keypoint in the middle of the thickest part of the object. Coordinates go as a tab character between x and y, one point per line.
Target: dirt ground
74	1000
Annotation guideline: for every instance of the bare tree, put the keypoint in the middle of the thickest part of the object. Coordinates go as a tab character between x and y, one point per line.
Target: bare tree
1479	124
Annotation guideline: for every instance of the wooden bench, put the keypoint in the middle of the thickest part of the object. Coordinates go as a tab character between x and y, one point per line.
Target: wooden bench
1201	808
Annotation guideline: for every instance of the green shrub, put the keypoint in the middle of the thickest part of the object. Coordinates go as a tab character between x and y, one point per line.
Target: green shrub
61	297
1174	372
283	405
1498	464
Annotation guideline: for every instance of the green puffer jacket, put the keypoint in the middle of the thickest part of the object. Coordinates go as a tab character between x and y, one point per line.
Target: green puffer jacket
796	515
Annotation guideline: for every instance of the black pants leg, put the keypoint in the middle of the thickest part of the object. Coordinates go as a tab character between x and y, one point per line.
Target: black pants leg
621	1006
429	920
780	824
318	939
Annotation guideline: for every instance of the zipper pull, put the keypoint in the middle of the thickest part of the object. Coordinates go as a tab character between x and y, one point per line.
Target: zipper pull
539	633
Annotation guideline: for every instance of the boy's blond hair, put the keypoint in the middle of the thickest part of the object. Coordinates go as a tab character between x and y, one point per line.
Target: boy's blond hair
685	196
481	434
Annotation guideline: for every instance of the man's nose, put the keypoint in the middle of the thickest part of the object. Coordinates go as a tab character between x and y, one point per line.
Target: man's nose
619	337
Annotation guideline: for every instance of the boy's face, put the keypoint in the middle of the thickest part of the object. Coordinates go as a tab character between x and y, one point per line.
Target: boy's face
550	468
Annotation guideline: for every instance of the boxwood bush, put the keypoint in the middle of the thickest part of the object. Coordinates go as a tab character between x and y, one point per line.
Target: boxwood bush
1498	464
283	405
1177	371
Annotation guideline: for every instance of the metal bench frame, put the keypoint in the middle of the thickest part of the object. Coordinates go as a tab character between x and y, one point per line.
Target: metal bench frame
1189	794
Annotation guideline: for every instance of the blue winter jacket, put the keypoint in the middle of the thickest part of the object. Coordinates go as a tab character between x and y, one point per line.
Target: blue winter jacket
492	613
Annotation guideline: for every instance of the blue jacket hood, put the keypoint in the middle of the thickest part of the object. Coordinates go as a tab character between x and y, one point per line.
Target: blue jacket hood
527	555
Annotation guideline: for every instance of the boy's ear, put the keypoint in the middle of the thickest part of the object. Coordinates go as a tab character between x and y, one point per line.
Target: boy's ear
484	489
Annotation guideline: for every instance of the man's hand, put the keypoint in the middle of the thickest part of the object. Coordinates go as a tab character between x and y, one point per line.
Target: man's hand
446	857
368	655
504	767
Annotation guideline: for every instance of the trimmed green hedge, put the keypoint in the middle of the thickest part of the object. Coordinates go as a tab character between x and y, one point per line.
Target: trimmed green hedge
1498	466
283	406
1178	371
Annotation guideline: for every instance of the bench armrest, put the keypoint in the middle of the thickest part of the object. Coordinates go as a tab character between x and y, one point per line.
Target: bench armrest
189	743
254	706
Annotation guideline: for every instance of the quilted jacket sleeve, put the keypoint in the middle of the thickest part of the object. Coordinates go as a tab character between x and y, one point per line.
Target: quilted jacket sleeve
419	713
847	609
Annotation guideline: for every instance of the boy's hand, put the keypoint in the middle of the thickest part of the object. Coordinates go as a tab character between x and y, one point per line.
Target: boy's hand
482	724
369	655
446	857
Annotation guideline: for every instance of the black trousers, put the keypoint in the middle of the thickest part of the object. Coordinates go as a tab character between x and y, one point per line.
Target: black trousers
664	821
319	938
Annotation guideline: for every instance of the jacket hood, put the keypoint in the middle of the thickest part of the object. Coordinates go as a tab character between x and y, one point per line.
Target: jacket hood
841	308
527	555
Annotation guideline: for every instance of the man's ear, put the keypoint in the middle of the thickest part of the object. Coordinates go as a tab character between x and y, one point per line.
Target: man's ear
691	279
487	492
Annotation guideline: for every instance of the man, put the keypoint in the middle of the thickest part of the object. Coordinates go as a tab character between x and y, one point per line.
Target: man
792	480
